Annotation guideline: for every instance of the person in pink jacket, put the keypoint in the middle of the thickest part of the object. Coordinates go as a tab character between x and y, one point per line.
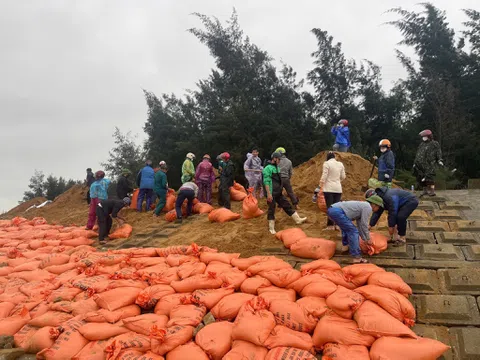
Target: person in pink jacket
205	177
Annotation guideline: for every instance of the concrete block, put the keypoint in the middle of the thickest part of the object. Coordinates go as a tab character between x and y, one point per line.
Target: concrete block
420	237
439	252
427	205
6	341
472	252
460	281
403	252
439	333
456	205
420	280
467	225
447	310
446	215
11	354
457	238
437	199
418	215
430	226
466	344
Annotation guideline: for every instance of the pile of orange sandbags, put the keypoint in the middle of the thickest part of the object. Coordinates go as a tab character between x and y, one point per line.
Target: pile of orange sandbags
191	302
306	247
237	192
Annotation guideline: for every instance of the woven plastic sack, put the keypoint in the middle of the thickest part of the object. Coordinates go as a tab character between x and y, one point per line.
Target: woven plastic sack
171	216
314	248
290	236
282	277
102	331
94	350
293	316
290	353
350	352
103	315
379	243
321	203
252	284
148	297
345	302
211	297
196	282
187	315
313	285
115	299
222	215
226	258
188	351
315	306
391	281
215	339
142	324
284	336
43	338
123	232
229	306
167	303
245	263
273	293
358	274
242	350
250	206
395	348
127	341
202	208
164	341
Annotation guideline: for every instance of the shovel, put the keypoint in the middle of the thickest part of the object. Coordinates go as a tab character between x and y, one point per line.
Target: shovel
365	188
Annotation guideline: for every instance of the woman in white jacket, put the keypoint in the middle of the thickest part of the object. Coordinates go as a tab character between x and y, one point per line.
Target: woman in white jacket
331	183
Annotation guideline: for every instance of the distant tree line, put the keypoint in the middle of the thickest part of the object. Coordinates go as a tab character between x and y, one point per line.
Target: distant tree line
49	187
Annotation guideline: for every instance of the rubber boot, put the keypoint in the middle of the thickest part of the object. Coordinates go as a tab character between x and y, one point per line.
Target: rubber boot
271	227
425	191
431	190
298	220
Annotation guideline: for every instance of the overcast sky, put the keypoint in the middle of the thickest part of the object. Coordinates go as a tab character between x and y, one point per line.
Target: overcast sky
70	71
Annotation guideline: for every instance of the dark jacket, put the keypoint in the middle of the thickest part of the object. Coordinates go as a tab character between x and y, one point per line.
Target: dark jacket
386	165
228	174
146	178
272	179
427	158
123	187
393	200
112	207
90	178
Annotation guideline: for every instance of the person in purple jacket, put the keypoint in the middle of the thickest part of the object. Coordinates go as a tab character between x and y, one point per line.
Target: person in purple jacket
205	177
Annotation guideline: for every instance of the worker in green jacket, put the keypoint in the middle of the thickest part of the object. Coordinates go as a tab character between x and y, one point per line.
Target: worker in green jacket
188	169
161	188
272	181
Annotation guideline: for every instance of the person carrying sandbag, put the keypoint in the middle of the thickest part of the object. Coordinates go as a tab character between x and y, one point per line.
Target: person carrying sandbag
227	176
187	191
106	210
286	172
343	213
399	204
272	181
98	192
161	187
331	183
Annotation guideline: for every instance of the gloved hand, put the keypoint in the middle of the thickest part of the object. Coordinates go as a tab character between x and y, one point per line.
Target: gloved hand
440	162
387	176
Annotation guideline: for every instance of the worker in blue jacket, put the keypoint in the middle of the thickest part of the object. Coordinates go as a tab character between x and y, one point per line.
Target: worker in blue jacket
342	136
386	164
399	205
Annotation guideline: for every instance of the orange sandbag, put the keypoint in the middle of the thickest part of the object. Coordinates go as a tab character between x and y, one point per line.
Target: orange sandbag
127	341
186	352
117	298
233	278
178	259
239	187
293	316
290	236
210	297
250	208
164	341
133	204
28	266
60	269
84	307
226	258
358	274
272	293
189	269
143	323
315	306
103	315
94	350
282	277
245	263
23	334
350	352
390	280
202	208
373	320
64	293
222	215
254	322
290	353
313	285
43	338
187	315
320	264
170	204
242	350
337	277
104	331
4	271
218	267
148	297
321	203
167	303
229	306
268	265
334	329
379	243
391	301
51	318
5	309
345	302
314	248
67	345
251	285
171	216
395	348
196	282
236	195
215	339
123	232
284	336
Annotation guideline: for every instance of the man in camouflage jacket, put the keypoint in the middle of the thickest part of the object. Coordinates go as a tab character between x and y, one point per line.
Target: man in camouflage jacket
429	155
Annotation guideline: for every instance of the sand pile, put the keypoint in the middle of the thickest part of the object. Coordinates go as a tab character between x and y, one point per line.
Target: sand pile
20	209
248	237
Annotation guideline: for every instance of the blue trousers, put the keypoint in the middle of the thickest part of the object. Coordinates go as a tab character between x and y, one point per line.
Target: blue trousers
403	213
350	235
141	195
182	195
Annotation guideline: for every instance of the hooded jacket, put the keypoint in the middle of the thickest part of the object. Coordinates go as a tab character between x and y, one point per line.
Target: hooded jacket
99	189
123	187
188	171
228	173
427	157
205	172
342	135
146	178
393	200
285	167
386	165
